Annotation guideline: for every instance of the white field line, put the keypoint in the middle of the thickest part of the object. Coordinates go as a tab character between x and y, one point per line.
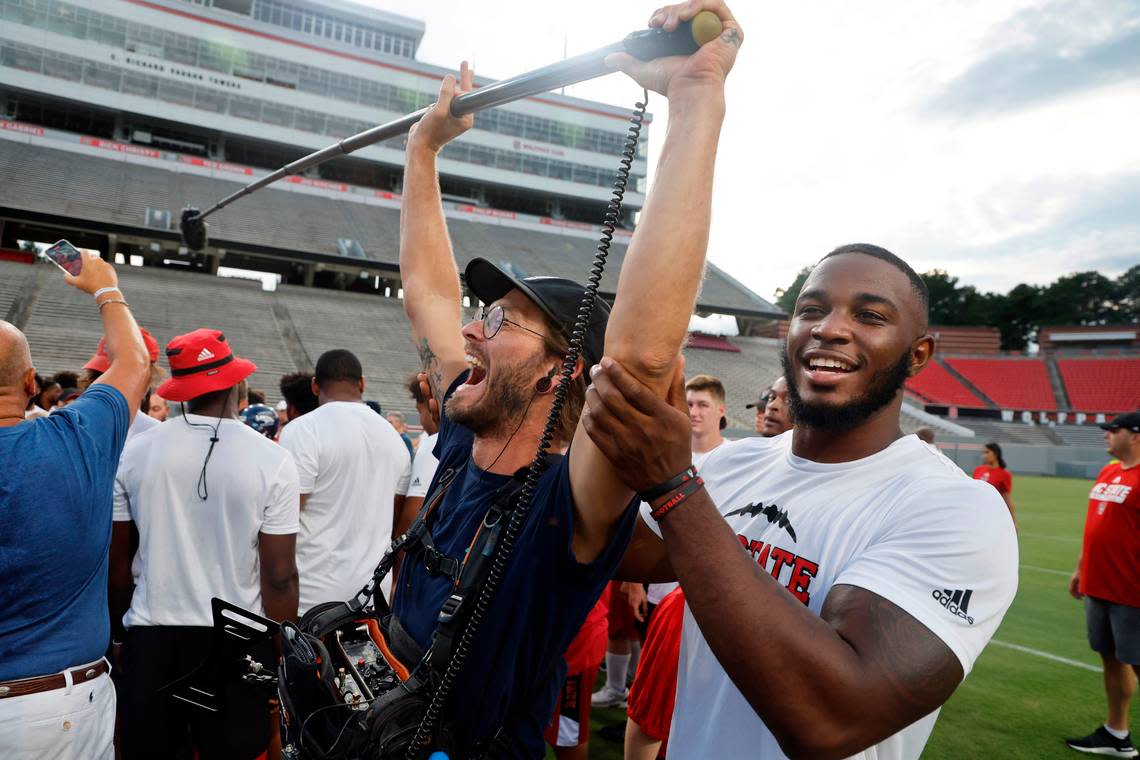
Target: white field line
1066	539
1047	655
1049	570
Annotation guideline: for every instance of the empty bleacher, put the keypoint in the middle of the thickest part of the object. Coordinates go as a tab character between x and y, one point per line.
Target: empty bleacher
372	327
15	278
117	190
937	386
63	328
744	374
1010	383
1101	385
1080	435
1011	432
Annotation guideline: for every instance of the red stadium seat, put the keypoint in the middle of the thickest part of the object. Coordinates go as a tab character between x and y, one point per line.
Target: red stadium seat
938	386
1010	383
1101	385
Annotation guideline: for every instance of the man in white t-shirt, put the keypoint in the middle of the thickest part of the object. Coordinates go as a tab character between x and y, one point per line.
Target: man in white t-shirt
424	462
873	570
216	506
351	463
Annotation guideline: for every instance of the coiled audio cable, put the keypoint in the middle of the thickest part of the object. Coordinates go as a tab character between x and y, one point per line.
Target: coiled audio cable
525	496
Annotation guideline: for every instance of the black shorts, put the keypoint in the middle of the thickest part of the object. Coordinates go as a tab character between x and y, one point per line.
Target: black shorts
1114	629
153	725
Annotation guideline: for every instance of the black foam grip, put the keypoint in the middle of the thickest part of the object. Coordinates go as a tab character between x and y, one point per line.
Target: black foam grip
648	44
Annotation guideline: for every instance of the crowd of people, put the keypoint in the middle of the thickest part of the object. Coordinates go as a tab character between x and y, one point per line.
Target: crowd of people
817	590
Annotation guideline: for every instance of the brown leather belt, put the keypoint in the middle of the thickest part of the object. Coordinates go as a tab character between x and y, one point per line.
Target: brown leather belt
26	686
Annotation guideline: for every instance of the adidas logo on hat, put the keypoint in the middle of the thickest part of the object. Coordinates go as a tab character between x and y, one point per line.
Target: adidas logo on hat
205	354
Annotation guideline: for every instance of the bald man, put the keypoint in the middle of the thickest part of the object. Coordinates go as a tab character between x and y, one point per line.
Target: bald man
55	501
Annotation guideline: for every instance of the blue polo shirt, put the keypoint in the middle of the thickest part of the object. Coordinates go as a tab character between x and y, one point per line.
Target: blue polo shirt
56	486
515	670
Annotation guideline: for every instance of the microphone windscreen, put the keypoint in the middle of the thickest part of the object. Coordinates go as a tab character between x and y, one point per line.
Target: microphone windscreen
194	231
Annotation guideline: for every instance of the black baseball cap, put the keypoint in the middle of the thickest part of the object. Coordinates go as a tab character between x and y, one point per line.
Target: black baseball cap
1130	421
558	297
759	403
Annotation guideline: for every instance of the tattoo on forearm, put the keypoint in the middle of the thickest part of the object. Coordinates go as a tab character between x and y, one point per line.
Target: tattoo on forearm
732	37
430	362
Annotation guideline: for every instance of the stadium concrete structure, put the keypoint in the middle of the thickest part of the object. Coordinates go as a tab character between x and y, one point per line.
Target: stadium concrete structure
115	115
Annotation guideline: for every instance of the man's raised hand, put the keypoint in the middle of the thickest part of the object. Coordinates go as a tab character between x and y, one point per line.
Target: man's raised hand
647	439
95	275
438	127
679	76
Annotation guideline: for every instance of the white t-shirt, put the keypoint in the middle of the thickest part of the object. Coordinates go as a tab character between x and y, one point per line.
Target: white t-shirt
192	549
905	523
658	591
141	423
424	464
351	462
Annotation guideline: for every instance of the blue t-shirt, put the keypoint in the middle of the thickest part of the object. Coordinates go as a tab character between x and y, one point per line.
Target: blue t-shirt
56	487
515	670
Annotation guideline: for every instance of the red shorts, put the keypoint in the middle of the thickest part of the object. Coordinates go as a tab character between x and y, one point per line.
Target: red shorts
570	725
655	686
622	623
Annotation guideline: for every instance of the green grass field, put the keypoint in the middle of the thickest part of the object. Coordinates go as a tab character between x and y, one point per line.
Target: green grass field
1015	704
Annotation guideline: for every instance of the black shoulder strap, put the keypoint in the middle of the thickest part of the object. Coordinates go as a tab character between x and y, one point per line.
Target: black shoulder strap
474	570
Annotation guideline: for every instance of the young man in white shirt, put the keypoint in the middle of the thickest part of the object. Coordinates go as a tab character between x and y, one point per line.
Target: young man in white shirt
216	507
873	570
351	462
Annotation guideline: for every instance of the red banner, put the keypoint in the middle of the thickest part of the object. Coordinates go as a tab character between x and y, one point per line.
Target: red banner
17	126
95	142
322	184
487	212
219	165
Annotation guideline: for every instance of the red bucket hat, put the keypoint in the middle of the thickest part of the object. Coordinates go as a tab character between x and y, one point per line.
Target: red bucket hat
100	362
202	362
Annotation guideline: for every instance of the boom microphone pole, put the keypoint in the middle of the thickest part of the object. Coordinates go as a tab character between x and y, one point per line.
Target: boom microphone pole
644	45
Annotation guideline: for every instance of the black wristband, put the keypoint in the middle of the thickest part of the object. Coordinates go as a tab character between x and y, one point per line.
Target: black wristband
675	482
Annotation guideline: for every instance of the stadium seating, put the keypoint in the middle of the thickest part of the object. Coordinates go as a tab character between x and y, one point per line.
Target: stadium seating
744	374
1010	383
1011	432
1101	385
14	280
63	328
119	191
1080	435
372	327
937	386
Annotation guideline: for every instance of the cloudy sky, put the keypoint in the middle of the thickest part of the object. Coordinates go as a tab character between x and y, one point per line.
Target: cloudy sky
996	139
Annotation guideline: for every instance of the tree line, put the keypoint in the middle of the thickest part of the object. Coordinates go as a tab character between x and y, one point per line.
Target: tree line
1080	298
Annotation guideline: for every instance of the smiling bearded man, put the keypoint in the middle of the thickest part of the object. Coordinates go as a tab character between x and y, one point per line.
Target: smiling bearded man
841	579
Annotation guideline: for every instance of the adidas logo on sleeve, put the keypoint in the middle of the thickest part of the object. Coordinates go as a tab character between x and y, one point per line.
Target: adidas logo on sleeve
956	602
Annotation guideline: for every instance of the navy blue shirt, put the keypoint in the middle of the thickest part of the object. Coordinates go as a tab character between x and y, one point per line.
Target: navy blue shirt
515	669
56	486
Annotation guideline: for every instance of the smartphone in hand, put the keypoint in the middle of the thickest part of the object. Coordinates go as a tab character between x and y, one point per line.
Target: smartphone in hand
66	256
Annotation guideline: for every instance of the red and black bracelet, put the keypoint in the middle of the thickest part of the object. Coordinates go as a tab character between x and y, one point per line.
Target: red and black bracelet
668	501
669	486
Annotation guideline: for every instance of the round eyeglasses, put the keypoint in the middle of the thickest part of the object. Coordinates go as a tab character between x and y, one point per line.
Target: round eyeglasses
493	320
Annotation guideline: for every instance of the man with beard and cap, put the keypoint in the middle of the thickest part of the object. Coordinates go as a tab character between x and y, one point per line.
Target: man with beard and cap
496	379
873	570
